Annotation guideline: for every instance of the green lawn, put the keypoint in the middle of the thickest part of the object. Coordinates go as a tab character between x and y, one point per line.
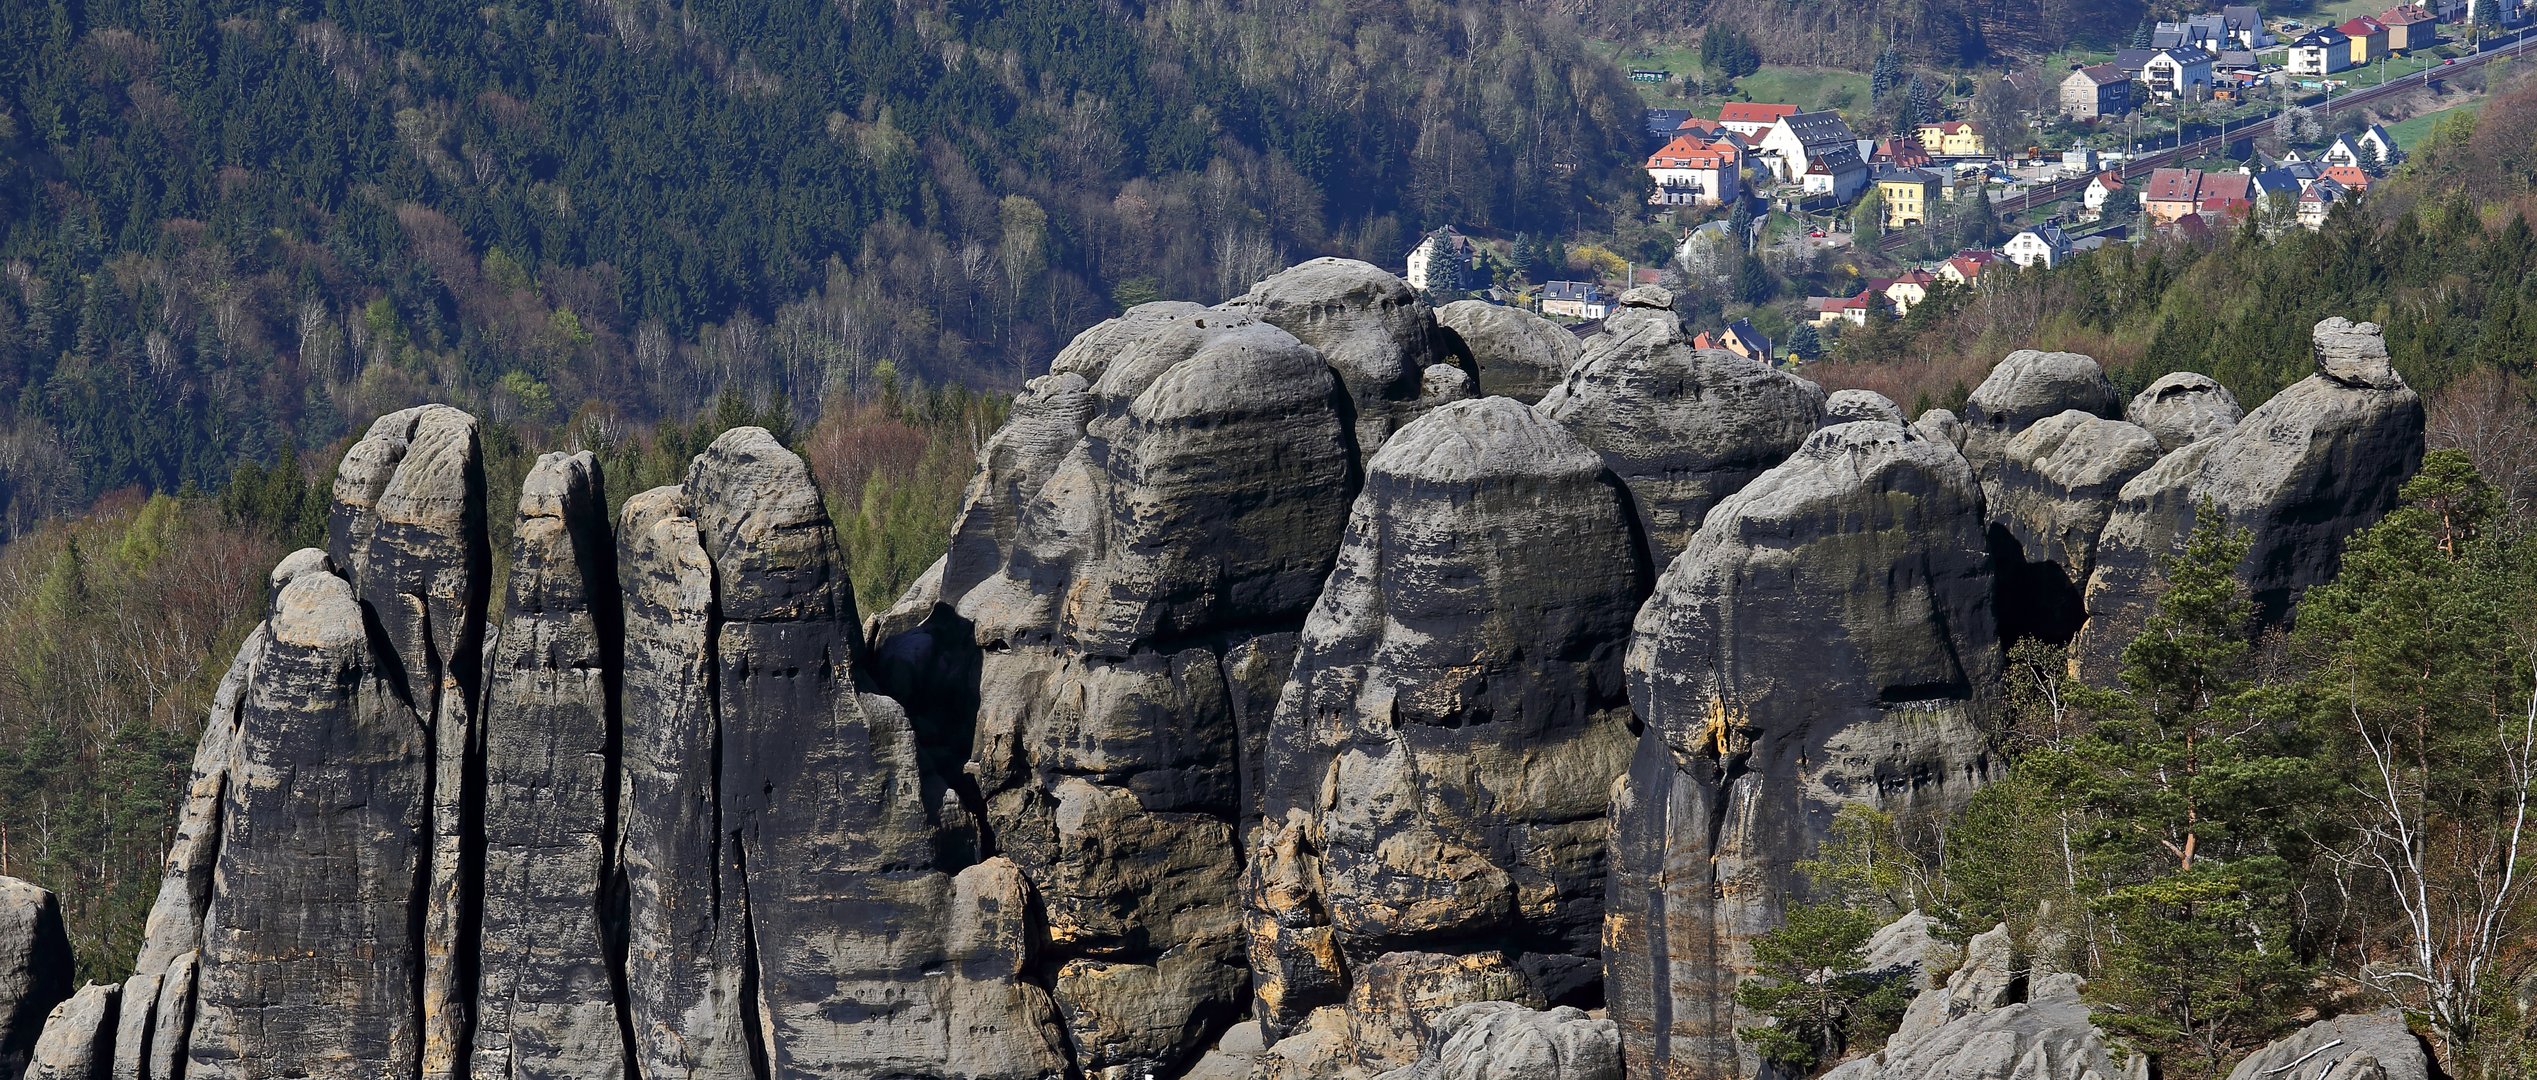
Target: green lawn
2411	133
1809	88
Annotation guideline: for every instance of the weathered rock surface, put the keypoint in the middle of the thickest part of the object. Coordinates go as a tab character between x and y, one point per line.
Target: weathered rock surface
311	963
1499	1040
1825	639
1847	405
78	1039
2049	493
2362	1046
35	968
407	530
1682	427
2183	407
2322	459
1520	355
1438	766
2046	1037
2026	387
1367	325
546	999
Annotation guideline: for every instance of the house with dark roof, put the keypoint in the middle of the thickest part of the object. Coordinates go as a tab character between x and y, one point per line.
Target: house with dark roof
2320	52
2181	74
1799	140
1739	338
1837	173
2318	201
2244	24
1575	300
2045	245
2131	61
2095	91
1661	124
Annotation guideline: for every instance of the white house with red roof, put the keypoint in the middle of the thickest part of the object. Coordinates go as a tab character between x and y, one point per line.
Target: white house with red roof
1752	119
1690	171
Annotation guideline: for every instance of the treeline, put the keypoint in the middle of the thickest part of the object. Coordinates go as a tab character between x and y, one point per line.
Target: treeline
2243	834
232	227
1944	33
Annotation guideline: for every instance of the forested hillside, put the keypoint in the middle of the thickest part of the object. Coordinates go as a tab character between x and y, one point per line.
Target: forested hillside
235	227
1940	32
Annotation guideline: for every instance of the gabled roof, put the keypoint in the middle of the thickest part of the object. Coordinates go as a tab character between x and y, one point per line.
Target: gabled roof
2349	176
2187	56
2109	180
1753	112
2133	59
1953	127
2323	191
2227	186
2100	74
2362	26
1664	121
1836	159
1743	329
1693	152
2407	15
2242	17
2236	58
2167	36
2326	37
1700	125
2173	185
1901	153
2050	233
1818	129
1574	290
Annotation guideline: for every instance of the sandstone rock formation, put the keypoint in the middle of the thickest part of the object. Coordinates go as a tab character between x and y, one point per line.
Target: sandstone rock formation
2300	474
2361	1046
1683	427
2184	407
1438	766
1520	355
35	969
1825	638
1278	711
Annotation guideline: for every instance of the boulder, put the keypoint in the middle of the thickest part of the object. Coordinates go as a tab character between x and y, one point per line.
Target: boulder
1520	355
1368	325
2300	474
2048	1036
547	994
1501	1040
35	969
1439	763
1091	351
2026	387
78	1039
1825	639
2360	1046
2183	407
1683	427
2049	494
1847	405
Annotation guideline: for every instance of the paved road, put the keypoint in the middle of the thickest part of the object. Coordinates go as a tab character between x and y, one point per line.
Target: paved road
2194	148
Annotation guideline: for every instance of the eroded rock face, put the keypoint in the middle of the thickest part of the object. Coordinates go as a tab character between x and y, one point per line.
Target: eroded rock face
1683	428
2183	407
546	999
1501	1040
2046	1037
2362	1046
1825	639
1520	355
78	1039
1847	405
1371	329
2323	458
1438	766
311	963
2049	494
35	968
2026	387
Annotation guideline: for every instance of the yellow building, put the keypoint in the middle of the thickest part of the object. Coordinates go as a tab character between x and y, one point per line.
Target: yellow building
1907	194
1953	138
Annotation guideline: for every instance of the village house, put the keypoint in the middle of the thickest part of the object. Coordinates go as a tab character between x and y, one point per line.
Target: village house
1965	268
1908	194
1794	144
2372	149
2099	188
2095	91
2410	27
2044	245
2179	74
2245	26
1752	119
1850	309
1899	153
2320	52
2369	39
1908	291
1836	172
1443	259
1739	338
1953	139
1690	172
2172	194
1575	300
2352	177
2318	201
1660	124
2198	32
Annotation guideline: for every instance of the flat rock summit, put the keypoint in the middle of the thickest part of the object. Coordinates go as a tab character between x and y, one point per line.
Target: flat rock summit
1282	709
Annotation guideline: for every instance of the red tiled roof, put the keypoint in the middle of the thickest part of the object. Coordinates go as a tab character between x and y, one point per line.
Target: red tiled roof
2227	186
2109	180
2173	185
1692	152
2362	26
2349	176
1951	127
1753	112
2406	15
1700	125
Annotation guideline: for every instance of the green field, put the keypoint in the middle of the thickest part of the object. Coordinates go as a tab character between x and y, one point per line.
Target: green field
2411	133
1809	88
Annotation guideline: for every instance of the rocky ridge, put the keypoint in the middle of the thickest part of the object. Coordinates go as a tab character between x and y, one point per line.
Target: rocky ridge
1280	709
